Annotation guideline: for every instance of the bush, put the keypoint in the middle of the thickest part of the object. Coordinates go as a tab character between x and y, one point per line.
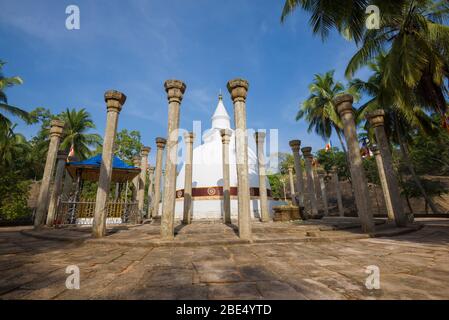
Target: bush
13	197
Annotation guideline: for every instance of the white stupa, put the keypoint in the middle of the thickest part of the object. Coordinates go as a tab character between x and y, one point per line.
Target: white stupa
207	181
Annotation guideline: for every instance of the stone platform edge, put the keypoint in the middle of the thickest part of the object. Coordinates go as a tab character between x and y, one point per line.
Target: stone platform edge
202	243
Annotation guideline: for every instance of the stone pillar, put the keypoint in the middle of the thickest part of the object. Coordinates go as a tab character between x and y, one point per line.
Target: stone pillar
334	175
296	145
187	214
238	88
142	179
160	143
263	198
323	193
114	101
343	105
175	90
57	127
150	190
376	120
317	184
57	187
136	162
292	185
383	182
225	139
306	151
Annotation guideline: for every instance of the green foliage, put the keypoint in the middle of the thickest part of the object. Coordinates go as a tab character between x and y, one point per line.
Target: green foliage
285	160
433	188
7	108
276	185
128	145
13	196
371	171
319	110
76	136
430	154
334	158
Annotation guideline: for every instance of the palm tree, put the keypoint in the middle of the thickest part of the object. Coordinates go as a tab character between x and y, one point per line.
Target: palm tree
12	145
417	45
4	106
319	110
411	30
346	16
75	133
400	120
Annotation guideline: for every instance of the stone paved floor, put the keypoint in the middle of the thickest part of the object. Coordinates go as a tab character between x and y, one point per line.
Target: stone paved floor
412	266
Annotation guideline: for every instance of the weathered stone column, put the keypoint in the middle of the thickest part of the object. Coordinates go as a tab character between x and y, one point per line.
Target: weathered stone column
57	127
376	120
160	143
187	214
136	162
263	198
175	90
323	193
317	184
225	139
238	88
383	182
296	145
306	151
334	175
142	179
57	187
150	190
292	185
114	101
343	105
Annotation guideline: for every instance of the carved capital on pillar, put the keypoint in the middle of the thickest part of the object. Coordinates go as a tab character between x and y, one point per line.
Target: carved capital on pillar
375	150
114	100
189	137
295	145
307	152
62	155
376	118
260	137
161	142
136	161
343	104
145	151
151	170
225	135
238	88
175	90
57	127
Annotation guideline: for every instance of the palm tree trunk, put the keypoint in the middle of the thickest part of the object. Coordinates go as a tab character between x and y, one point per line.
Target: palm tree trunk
407	199
341	142
412	171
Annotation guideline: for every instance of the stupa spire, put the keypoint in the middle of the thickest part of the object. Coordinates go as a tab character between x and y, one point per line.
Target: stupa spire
221	118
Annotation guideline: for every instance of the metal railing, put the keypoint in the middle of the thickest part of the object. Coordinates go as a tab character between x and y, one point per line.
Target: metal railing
83	210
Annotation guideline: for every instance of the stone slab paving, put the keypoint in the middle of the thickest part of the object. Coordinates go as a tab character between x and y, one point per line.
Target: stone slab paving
412	266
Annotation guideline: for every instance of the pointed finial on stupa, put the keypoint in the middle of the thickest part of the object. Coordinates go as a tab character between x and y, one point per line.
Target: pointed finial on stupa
220	96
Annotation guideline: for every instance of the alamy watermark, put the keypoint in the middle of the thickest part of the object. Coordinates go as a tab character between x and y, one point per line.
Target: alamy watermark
372	22
73	280
73	21
373	280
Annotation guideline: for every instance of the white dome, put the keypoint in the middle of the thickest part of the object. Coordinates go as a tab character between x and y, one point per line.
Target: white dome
207	174
207	165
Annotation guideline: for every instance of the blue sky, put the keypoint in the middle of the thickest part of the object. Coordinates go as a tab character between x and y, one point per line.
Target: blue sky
134	46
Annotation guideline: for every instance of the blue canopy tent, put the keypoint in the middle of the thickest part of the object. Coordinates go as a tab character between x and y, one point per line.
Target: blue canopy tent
89	169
